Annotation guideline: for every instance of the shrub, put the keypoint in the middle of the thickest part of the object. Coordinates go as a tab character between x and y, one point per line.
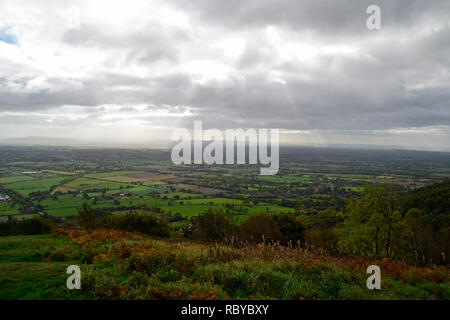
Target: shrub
290	228
281	227
35	225
260	228
154	260
86	217
137	221
322	238
210	226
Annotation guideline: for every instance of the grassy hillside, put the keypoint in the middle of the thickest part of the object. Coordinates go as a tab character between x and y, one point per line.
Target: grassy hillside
121	265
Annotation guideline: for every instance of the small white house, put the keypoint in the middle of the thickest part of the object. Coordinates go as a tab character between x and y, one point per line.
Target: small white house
4	198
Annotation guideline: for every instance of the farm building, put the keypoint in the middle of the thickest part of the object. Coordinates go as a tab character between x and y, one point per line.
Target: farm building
5	198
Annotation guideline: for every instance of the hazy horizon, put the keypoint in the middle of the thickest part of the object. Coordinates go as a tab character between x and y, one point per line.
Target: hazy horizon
167	144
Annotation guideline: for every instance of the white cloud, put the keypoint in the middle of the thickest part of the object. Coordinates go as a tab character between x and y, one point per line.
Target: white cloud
135	69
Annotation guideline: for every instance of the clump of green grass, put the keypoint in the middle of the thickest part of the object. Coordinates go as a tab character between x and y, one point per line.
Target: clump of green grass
123	265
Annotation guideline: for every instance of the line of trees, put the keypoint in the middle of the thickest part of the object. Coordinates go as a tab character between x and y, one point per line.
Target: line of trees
215	225
35	225
384	223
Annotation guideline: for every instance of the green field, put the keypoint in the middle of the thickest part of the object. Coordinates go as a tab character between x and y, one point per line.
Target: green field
111	174
8	208
67	205
105	179
5	180
139	191
91	183
26	187
285	179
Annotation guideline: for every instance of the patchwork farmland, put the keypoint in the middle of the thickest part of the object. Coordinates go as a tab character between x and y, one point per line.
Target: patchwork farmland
138	179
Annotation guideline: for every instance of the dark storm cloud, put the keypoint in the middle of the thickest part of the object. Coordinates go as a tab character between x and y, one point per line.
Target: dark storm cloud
401	82
328	105
100	89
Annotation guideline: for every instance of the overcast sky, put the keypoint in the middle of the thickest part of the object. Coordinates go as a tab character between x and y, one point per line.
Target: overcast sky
132	71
